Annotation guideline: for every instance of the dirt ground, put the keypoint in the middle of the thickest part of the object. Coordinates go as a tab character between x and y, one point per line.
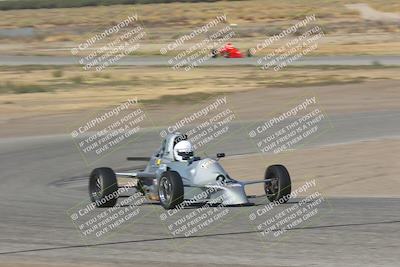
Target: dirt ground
47	90
18	119
362	169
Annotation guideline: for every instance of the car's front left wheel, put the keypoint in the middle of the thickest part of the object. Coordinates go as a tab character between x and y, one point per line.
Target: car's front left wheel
279	186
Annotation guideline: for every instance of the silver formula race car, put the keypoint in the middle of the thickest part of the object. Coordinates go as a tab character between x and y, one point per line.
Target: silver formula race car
191	179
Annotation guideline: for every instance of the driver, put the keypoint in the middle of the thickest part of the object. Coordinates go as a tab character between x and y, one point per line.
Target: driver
183	151
227	48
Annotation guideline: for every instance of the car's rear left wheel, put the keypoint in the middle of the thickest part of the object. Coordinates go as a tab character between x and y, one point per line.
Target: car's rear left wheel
103	187
214	53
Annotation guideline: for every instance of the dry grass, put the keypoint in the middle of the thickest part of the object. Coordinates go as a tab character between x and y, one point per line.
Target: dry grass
346	32
67	89
192	14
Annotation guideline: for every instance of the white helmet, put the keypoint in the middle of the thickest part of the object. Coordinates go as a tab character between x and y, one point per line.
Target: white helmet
183	150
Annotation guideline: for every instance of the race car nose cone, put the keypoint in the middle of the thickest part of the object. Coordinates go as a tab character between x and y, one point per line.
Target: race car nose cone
234	194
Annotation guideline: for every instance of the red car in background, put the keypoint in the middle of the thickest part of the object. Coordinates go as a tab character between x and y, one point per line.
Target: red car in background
228	51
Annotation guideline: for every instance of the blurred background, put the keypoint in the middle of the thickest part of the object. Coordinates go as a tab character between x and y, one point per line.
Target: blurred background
47	91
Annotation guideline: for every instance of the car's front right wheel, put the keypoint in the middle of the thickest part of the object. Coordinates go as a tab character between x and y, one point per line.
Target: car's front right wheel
170	189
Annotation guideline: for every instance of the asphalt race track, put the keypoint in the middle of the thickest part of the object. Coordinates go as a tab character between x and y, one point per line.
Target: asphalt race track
44	177
163	61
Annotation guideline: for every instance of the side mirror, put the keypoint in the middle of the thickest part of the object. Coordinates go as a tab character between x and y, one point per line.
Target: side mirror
220	155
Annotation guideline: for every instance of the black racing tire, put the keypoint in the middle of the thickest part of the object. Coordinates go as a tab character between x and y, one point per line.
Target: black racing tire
102	187
214	53
170	189
280	188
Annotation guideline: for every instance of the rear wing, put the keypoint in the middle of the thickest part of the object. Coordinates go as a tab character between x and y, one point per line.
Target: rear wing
138	158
